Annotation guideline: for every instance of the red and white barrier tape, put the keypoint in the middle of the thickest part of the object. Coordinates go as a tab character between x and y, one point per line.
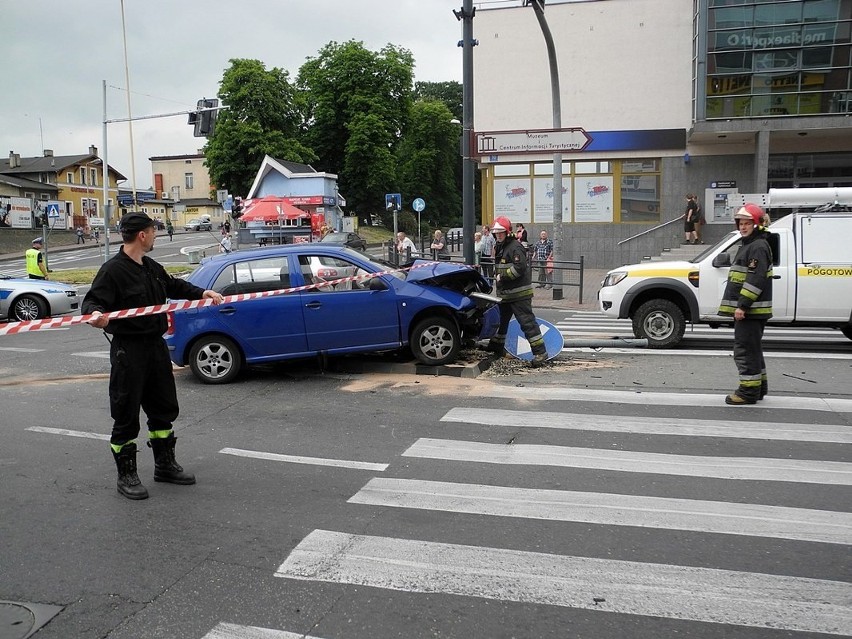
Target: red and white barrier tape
56	322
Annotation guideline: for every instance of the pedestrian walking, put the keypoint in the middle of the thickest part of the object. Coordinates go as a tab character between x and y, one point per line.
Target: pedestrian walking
486	252
748	299
170	228
80	238
514	286
141	372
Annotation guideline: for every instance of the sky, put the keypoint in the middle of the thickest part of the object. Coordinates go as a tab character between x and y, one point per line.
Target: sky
56	56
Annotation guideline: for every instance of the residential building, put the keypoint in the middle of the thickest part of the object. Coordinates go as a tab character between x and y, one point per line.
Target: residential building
182	189
74	183
659	98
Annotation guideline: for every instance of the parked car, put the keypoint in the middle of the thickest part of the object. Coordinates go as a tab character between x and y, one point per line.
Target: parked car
432	310
352	240
198	225
25	299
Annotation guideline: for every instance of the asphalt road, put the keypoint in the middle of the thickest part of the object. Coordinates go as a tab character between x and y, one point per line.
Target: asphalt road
608	496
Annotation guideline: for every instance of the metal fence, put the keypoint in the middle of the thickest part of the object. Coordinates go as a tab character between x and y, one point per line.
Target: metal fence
571	272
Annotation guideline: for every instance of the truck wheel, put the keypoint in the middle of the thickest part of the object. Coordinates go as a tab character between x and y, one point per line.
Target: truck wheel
661	322
215	360
435	341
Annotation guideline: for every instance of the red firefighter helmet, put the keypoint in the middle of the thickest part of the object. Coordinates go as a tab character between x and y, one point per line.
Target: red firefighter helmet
750	212
501	225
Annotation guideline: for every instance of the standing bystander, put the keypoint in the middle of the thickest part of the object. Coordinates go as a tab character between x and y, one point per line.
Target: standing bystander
542	254
36	267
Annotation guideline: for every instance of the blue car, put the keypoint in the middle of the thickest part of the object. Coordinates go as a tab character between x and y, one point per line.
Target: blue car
432	309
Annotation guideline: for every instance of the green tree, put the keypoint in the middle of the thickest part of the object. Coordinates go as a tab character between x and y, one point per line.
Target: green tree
428	160
450	93
356	104
263	118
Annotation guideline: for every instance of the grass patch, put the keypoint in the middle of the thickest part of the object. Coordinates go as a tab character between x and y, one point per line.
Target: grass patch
80	276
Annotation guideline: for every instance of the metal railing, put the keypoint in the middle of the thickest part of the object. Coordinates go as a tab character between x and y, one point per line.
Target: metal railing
486	267
652	229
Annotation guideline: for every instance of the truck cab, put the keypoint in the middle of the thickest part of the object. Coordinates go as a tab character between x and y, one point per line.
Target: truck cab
812	273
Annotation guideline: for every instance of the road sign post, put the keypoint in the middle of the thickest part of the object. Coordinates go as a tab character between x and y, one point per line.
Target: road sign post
419	204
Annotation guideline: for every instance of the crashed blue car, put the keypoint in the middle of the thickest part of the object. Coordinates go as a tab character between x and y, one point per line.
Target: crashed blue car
432	309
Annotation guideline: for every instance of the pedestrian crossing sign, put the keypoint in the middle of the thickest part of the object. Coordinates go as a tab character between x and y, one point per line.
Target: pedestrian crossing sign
518	346
52	210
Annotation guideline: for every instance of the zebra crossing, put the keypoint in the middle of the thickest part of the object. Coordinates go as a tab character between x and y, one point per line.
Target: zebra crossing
674	591
59	260
594	324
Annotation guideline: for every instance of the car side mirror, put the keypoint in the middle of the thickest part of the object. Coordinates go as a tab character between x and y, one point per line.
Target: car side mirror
377	284
722	260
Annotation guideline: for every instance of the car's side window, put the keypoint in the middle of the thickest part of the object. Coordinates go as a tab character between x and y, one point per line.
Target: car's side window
254	276
320	270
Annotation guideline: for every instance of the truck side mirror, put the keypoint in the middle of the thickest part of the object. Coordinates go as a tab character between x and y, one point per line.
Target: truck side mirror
722	260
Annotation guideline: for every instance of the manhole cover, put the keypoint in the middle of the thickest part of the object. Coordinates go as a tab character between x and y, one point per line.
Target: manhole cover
21	620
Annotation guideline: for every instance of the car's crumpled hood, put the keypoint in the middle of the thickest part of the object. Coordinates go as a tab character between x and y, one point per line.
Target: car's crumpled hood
457	277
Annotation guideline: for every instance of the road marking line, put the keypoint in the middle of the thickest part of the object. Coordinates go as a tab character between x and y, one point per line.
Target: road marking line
69	433
657	590
233	631
609	509
561	393
97	354
295	459
778	431
742	468
22	350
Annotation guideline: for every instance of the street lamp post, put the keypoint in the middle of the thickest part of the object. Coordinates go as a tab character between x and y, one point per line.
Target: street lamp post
467	43
538	7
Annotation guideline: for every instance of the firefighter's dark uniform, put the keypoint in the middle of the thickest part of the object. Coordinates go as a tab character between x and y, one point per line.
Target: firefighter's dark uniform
749	287
514	286
141	374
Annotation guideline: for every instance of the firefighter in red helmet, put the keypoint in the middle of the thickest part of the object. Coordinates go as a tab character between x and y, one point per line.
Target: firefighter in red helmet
748	299
514	285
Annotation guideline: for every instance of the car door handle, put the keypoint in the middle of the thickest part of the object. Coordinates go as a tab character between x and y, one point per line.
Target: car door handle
313	305
776	277
228	310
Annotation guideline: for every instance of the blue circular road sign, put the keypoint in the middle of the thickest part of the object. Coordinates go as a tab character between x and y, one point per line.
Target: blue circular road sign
418	204
517	344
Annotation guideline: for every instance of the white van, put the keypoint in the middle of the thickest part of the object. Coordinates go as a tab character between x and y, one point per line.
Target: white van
812	269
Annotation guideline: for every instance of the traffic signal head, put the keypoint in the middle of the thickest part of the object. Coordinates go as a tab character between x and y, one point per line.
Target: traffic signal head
237	208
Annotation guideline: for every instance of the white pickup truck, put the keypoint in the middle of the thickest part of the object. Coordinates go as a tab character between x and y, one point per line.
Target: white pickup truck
812	272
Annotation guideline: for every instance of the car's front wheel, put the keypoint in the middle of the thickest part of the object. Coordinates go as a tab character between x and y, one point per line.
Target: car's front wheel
29	307
661	322
215	360
435	341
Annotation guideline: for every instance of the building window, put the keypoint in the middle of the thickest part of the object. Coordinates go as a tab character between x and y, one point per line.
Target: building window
187	181
69	177
82	175
93	175
640	190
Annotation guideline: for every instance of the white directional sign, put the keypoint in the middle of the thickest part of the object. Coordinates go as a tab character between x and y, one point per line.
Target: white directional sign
538	141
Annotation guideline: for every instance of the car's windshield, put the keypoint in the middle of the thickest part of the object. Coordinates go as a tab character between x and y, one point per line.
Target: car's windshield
725	240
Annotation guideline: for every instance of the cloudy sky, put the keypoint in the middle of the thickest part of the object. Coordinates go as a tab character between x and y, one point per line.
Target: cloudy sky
55	56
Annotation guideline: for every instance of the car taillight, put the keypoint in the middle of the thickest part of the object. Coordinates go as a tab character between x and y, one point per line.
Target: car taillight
169	318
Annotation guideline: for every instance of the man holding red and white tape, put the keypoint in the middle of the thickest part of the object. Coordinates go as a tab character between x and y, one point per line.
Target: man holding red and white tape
141	374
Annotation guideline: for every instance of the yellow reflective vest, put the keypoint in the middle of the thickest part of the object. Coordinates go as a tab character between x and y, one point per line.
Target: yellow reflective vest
32	262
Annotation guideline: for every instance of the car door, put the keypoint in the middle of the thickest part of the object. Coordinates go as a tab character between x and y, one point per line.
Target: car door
349	315
266	327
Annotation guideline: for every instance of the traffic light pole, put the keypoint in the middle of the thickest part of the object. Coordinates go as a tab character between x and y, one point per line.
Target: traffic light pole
105	164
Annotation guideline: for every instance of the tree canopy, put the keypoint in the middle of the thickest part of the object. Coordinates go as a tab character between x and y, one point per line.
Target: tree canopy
357	103
263	118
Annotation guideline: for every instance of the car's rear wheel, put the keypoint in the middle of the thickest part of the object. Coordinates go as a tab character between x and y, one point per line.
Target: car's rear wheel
435	341
215	359
29	307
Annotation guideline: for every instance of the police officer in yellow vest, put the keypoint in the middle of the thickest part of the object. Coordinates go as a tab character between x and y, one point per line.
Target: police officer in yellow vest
36	268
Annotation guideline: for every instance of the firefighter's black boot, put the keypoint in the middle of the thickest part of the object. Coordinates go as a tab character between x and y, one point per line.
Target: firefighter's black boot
498	347
128	480
165	467
539	355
